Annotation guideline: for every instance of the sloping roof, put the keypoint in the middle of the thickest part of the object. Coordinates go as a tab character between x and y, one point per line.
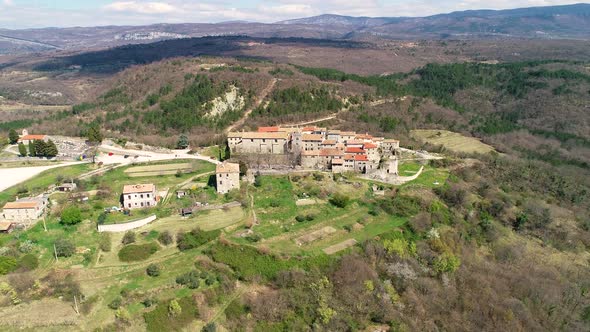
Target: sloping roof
369	146
347	133
138	188
268	129
234	134
337	161
354	150
256	135
33	137
354	142
323	153
313	137
5	225
329	142
227	168
348	157
361	157
25	203
312	128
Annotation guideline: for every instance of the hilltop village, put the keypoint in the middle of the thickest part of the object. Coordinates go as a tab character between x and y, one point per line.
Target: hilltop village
319	148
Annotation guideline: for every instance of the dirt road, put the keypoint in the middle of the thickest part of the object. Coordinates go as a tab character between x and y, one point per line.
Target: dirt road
257	103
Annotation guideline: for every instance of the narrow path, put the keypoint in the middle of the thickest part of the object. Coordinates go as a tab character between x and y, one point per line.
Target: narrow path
257	103
326	118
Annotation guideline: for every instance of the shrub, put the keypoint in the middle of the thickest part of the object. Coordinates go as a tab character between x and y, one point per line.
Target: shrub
28	262
26	246
165	238
174	309
104	243
159	319
190	279
153	270
116	303
128	238
195	238
7	264
210	327
137	252
149	302
339	200
64	248
300	218
309	217
446	262
71	215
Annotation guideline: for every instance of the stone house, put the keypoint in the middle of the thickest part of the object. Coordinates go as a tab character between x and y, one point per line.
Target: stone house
139	196
389	146
312	142
25	210
227	177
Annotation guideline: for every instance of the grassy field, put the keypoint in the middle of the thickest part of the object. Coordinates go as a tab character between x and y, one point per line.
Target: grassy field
160	169
452	141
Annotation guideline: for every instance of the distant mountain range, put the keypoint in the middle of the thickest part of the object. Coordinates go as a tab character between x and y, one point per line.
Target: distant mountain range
555	22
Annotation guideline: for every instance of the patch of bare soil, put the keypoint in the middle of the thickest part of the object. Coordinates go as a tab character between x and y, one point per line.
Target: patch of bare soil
42	313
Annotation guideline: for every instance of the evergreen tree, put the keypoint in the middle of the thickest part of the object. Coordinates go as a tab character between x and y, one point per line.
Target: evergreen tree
32	149
40	147
94	138
227	151
22	149
13	136
51	149
94	135
182	142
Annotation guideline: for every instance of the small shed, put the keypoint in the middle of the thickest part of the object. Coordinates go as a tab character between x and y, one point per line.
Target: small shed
186	212
67	187
6	226
181	193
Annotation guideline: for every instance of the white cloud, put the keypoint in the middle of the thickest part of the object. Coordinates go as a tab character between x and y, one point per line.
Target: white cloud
8	3
141	7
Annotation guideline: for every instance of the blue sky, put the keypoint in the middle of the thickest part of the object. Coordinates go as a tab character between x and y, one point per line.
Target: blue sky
65	13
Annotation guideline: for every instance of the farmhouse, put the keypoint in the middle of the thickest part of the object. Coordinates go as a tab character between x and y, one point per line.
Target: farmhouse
25	210
139	196
6	226
227	176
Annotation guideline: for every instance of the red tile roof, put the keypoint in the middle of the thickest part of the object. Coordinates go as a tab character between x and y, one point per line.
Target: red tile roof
268	129
361	157
312	137
33	137
349	157
369	146
354	150
354	142
312	128
329	142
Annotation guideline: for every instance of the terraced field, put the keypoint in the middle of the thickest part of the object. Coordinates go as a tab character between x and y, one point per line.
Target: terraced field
452	141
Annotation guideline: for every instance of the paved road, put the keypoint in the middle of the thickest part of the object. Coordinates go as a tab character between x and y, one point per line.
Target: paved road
12	176
143	156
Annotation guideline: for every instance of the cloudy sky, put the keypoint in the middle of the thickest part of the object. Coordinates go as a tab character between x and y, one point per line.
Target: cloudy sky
64	13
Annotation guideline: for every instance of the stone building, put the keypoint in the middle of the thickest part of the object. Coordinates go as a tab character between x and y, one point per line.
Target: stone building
312	142
227	176
389	146
25	210
258	142
139	196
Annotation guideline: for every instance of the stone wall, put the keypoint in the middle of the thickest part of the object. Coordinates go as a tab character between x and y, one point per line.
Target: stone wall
116	228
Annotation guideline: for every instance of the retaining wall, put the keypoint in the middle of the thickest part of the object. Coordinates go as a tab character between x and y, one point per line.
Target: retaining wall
116	228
